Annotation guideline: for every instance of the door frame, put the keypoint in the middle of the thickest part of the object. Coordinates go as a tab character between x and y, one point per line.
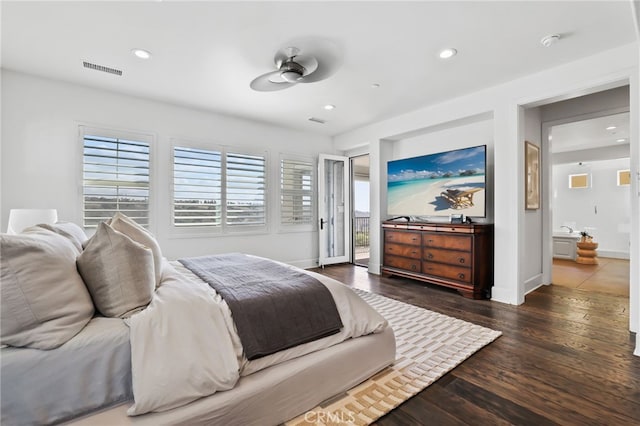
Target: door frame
322	205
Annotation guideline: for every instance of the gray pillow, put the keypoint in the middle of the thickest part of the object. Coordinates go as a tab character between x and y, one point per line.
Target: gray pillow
137	233
118	272
69	230
44	301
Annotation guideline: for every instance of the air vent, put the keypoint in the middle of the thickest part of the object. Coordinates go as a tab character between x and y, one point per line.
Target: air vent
102	68
317	120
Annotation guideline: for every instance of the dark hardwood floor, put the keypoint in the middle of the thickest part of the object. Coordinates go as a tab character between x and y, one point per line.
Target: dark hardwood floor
565	357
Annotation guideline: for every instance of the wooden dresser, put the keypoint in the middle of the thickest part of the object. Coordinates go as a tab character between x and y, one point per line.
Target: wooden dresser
459	256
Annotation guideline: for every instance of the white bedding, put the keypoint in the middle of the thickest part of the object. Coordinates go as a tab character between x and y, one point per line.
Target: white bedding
208	358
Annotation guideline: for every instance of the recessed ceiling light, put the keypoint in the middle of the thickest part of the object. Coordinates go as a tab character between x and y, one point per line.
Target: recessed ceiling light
611	128
329	107
550	40
448	53
375	85
141	53
620	140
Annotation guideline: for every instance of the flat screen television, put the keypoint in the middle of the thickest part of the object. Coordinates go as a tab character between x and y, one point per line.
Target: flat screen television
441	184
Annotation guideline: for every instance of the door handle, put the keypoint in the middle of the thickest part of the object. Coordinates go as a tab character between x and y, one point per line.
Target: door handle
321	224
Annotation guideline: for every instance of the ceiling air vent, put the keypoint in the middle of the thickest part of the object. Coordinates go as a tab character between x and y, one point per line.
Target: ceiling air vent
102	68
317	120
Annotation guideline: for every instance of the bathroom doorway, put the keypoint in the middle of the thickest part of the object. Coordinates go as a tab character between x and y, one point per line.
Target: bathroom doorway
590	194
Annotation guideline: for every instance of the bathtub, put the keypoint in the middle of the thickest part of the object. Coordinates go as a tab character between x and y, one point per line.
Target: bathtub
564	244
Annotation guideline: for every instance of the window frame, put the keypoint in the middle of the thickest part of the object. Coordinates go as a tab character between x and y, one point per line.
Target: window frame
304	227
110	132
223	229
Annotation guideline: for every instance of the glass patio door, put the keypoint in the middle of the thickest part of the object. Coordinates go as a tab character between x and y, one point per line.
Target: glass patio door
333	209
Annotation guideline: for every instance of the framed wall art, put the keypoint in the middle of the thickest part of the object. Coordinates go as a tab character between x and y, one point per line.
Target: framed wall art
532	176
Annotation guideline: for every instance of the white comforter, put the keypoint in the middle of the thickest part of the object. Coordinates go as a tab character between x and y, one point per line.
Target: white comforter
184	345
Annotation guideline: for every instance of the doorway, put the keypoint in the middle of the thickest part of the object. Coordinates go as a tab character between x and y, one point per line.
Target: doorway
360	214
588	157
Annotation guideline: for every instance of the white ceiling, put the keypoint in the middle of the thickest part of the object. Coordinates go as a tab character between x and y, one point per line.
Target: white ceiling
592	133
206	53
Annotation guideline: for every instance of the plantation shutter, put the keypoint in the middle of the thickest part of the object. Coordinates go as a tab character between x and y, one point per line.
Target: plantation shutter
115	178
197	187
296	192
245	190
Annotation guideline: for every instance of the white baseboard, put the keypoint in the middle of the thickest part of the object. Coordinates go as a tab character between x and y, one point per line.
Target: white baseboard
615	254
532	283
304	263
504	295
374	268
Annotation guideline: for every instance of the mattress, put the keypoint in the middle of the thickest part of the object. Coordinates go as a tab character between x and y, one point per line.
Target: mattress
87	381
275	394
89	372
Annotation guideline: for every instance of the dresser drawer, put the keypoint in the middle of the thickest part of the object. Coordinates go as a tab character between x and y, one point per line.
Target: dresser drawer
454	242
401	237
411	265
402	250
459	258
447	271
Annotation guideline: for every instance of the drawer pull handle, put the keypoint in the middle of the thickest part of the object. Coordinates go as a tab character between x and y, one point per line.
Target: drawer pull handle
414	252
461	276
390	248
430	241
430	256
461	260
413	267
413	239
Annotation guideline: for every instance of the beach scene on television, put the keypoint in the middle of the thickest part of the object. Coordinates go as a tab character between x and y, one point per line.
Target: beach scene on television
438	184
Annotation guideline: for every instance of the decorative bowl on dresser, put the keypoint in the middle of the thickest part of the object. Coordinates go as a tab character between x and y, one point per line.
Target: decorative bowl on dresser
458	256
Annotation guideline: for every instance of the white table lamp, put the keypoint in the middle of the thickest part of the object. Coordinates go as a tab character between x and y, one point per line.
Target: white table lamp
19	219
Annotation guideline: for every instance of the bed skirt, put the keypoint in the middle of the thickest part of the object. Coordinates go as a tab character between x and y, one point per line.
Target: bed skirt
276	394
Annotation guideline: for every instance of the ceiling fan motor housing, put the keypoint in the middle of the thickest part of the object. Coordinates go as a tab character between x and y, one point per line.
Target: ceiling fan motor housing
291	71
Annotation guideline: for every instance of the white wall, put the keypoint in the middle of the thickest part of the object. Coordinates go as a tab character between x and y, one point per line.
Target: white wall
604	205
41	158
594	73
531	254
450	138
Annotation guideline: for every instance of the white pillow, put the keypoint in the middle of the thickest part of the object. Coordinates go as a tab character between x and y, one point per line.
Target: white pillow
137	233
118	272
69	230
44	301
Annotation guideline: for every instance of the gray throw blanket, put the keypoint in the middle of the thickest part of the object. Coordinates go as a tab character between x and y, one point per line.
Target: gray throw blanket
274	307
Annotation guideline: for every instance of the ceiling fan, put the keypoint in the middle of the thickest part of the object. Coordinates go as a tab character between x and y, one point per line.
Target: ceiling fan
292	68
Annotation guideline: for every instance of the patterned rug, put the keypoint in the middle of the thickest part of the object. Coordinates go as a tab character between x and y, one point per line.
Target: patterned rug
428	345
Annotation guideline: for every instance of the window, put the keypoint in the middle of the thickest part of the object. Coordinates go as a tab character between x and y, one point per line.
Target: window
245	190
115	178
197	187
296	192
218	189
580	180
624	177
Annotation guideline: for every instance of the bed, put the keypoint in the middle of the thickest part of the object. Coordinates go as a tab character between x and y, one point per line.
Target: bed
94	376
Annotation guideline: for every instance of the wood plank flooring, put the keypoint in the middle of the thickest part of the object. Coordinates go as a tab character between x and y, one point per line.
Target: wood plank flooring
608	276
565	357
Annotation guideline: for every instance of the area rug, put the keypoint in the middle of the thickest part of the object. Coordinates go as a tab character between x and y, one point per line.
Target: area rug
428	345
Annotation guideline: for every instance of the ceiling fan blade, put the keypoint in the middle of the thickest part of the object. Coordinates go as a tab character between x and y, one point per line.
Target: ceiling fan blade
322	72
269	82
309	63
328	55
284	54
